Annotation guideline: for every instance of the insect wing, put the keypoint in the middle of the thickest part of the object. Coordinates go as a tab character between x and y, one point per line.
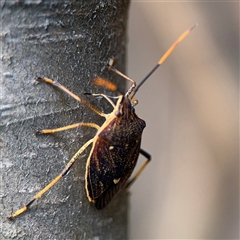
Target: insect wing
114	188
113	157
107	167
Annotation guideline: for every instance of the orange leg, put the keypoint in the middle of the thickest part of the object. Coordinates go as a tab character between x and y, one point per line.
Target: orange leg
53	182
50	131
58	85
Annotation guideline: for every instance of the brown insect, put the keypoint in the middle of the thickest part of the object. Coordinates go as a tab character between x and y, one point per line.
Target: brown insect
116	145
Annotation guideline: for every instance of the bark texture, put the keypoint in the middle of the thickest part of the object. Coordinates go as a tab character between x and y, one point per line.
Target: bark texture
70	41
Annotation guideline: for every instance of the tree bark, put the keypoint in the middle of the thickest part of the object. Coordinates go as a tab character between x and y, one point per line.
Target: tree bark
70	41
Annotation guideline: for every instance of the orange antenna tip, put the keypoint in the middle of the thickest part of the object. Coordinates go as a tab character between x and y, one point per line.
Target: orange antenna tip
104	83
169	51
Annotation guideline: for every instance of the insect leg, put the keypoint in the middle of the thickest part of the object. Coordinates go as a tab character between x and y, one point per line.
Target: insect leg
105	96
58	85
148	156
53	182
132	87
82	124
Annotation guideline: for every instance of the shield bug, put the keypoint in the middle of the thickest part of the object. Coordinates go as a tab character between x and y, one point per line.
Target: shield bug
116	145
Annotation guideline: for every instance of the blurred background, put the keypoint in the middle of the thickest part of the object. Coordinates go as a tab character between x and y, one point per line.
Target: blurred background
190	190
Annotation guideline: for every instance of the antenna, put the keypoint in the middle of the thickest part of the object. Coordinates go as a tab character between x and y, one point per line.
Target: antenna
165	56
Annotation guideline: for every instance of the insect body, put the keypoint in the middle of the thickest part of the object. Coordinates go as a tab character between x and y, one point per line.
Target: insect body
115	147
114	153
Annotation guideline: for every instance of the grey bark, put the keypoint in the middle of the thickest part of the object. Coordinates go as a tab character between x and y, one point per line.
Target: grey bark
70	41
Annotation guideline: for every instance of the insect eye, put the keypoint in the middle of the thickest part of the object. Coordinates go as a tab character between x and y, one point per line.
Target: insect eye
134	102
120	111
117	113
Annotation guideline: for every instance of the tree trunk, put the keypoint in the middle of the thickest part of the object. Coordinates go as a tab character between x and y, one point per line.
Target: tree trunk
72	42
